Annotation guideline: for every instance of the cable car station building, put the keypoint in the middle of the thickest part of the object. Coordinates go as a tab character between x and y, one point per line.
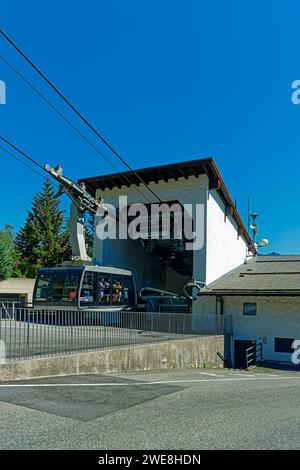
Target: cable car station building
167	264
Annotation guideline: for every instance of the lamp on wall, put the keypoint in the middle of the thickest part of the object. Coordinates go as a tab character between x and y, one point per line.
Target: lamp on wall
264	242
252	225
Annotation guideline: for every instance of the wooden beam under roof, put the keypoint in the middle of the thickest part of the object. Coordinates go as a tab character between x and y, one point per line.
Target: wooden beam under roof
214	183
241	231
228	210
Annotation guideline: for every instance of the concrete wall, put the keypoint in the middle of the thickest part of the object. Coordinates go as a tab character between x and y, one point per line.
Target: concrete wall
225	248
277	317
187	353
18	286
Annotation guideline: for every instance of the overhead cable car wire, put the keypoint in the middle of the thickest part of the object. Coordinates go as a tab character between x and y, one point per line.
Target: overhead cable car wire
78	113
21	161
22	153
14	68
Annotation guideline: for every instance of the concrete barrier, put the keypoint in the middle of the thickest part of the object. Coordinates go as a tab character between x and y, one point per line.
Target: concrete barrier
196	352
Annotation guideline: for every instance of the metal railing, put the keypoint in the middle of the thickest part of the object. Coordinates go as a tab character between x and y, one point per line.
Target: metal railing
254	354
11	299
26	333
7	307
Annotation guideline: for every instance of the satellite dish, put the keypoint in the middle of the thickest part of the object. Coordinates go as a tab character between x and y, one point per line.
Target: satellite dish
264	242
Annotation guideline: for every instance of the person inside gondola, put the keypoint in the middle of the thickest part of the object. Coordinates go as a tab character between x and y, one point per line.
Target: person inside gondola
117	291
101	289
73	295
106	289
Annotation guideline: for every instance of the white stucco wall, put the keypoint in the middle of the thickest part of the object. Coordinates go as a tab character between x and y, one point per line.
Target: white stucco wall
206	304
225	248
277	317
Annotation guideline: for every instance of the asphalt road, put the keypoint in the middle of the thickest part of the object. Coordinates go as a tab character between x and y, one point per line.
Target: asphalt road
182	409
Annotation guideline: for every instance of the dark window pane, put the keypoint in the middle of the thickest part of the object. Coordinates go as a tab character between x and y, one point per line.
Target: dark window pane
87	289
284	345
249	309
57	286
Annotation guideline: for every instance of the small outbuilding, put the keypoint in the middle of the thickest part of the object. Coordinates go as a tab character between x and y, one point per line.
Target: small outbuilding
260	301
19	290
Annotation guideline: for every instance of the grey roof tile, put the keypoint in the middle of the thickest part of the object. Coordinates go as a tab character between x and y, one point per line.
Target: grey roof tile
263	273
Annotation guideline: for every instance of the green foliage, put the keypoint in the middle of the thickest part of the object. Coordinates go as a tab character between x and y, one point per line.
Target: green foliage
67	251
6	259
7	252
7	233
42	239
89	235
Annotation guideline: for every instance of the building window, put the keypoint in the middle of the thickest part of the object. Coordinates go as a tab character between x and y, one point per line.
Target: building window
284	345
249	309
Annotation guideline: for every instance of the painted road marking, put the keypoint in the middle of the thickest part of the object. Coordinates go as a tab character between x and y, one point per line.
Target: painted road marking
211	374
269	375
136	384
246	374
243	374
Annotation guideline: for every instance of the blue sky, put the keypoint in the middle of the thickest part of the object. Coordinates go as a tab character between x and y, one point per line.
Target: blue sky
164	81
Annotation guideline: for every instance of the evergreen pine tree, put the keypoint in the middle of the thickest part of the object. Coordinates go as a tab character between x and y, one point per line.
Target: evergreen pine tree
7	234
67	250
41	240
48	219
26	241
89	235
6	259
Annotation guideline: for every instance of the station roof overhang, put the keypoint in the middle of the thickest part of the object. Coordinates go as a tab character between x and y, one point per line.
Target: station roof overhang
173	171
252	293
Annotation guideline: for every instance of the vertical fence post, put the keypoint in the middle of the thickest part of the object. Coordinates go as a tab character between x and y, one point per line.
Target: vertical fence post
71	323
26	352
130	326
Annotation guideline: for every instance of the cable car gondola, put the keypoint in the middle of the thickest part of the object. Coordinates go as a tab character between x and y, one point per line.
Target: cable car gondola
85	288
